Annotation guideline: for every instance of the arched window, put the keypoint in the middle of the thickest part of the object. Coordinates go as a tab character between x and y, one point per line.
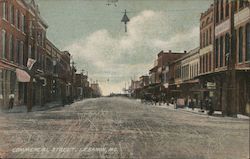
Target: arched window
248	42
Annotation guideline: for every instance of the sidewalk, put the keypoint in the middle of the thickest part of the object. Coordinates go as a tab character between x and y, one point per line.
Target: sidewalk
198	111
23	108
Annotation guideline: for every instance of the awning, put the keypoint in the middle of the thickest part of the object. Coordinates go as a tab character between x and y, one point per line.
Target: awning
4	66
22	76
175	90
203	90
191	81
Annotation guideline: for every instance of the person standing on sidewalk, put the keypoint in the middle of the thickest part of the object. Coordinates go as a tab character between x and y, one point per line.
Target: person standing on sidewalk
11	102
210	106
191	104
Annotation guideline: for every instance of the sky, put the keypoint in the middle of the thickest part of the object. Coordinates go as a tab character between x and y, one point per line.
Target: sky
94	34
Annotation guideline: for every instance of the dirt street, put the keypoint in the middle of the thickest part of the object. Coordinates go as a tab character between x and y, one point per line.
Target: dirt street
121	128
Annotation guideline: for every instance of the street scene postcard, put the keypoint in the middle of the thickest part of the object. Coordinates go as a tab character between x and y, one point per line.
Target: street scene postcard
125	79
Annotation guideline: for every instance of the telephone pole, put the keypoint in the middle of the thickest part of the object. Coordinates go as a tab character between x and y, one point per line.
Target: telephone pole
231	72
125	19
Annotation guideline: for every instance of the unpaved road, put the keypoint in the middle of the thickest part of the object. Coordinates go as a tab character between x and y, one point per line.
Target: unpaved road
121	128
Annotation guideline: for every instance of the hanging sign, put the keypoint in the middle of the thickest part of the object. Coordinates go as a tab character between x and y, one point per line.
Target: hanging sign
30	63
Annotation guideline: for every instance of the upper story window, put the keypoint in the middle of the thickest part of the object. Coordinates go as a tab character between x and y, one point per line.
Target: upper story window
216	53
210	35
221	10
248	42
22	22
217	11
208	20
18	51
11	46
221	50
227	48
203	24
30	28
241	3
4	43
4	10
18	19
240	44
236	6
227	8
206	37
21	53
29	51
12	14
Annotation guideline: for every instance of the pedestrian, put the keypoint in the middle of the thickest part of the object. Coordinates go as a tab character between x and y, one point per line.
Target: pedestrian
11	102
191	104
172	100
201	104
210	106
206	103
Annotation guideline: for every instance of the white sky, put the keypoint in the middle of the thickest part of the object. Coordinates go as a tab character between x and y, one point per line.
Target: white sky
94	35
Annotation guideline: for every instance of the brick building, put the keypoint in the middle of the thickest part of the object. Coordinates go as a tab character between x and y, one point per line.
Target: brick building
83	87
23	38
181	76
231	51
158	74
12	51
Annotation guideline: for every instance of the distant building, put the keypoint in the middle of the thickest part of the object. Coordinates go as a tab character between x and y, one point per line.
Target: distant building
144	81
157	74
96	91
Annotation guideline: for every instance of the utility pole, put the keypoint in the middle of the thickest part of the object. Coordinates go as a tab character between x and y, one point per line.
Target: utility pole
125	19
231	72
